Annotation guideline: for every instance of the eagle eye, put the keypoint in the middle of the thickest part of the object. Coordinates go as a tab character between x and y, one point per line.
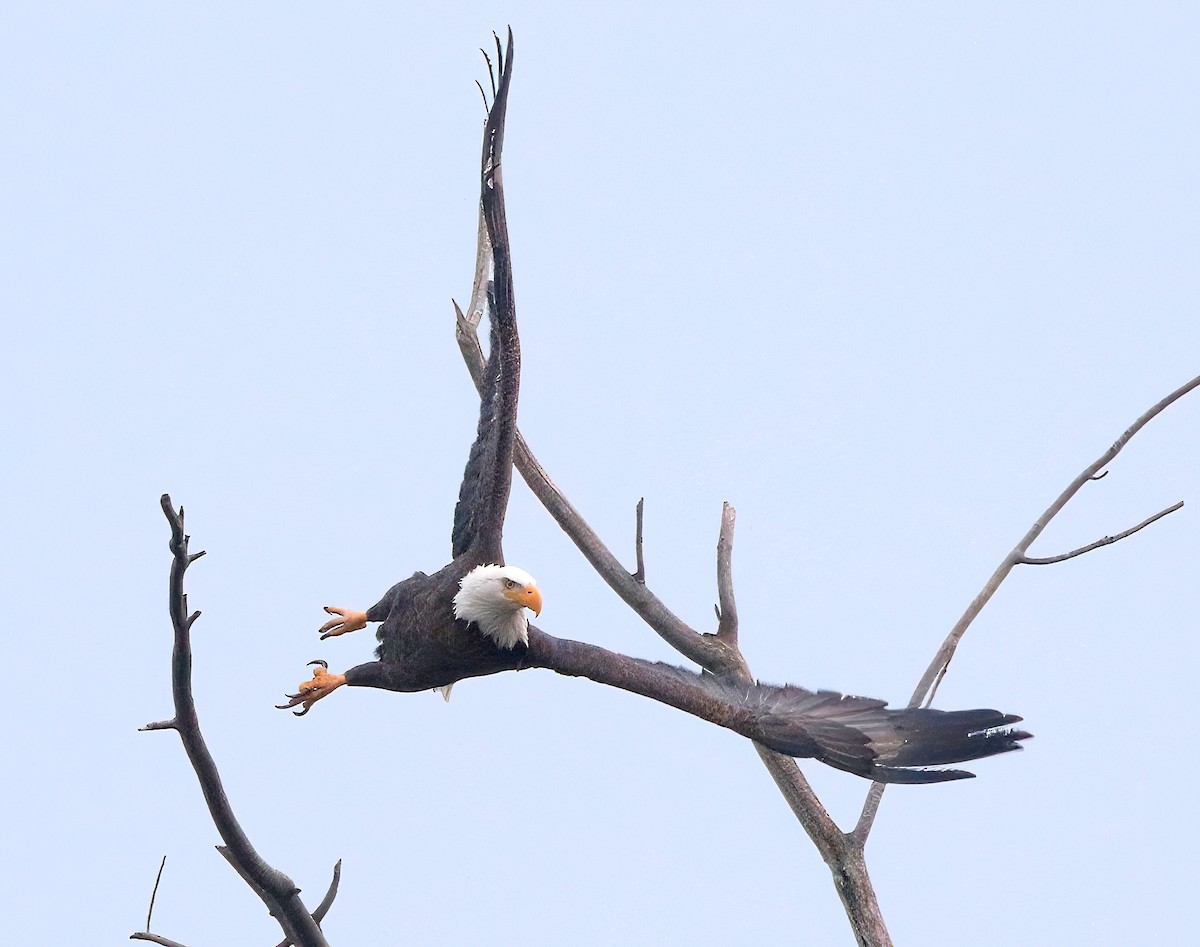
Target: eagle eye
510	584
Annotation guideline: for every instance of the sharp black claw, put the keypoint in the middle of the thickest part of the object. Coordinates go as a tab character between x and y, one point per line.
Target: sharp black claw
301	713
323	664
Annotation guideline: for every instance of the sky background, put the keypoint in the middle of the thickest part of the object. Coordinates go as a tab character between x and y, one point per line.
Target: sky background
885	278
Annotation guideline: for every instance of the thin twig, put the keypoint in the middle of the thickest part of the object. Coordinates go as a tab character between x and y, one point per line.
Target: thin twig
153	894
491	73
1106	541
927	687
327	902
858	835
727	619
640	575
945	653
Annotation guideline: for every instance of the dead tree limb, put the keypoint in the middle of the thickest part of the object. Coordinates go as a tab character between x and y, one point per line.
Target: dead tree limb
155	939
1105	541
934	674
717	652
154	894
277	891
639	574
326	902
928	684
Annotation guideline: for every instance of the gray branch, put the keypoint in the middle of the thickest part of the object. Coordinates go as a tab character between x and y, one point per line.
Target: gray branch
727	620
640	574
326	902
1105	541
941	661
932	678
155	939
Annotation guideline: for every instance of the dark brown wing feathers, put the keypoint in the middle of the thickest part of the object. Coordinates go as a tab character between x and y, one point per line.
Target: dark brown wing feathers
483	496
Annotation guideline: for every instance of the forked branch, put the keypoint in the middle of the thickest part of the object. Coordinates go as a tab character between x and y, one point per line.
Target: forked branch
326	902
1105	541
932	678
927	687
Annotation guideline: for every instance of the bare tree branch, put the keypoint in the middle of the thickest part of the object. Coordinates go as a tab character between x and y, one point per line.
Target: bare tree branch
932	678
154	894
466	326
727	620
276	889
1106	541
945	654
842	853
326	902
640	574
866	818
155	939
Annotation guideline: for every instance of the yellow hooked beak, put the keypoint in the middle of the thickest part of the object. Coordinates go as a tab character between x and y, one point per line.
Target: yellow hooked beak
529	598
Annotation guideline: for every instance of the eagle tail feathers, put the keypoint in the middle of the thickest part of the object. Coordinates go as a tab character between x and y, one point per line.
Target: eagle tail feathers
865	737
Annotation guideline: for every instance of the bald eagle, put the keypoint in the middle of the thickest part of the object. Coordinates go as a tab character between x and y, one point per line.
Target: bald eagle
470	618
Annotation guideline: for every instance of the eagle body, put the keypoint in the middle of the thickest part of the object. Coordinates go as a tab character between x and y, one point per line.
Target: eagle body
422	646
468	619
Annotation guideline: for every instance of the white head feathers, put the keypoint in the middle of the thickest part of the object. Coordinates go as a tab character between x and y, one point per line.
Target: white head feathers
494	598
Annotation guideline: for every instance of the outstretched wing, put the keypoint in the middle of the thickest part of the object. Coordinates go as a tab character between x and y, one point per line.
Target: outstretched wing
483	496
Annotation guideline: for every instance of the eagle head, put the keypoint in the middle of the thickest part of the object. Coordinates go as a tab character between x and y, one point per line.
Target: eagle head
494	598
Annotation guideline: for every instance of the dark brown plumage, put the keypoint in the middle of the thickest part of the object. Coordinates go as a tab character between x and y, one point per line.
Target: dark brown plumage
423	646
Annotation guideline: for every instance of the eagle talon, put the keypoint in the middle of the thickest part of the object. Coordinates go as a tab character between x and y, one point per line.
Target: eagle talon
344	621
321	685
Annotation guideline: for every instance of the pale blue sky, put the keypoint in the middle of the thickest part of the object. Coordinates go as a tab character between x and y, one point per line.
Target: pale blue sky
885	278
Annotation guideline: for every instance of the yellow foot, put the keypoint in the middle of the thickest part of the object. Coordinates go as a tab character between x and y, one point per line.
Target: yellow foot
345	620
322	684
